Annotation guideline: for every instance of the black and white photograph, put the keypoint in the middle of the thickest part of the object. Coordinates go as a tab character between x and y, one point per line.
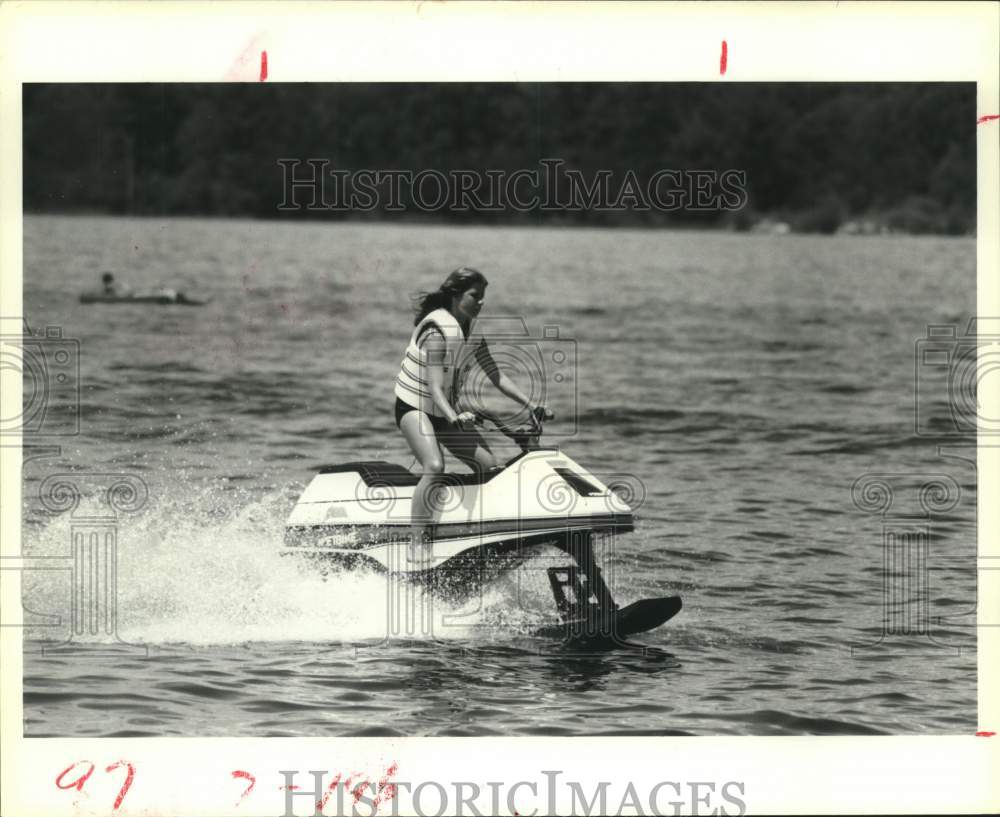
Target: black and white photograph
501	408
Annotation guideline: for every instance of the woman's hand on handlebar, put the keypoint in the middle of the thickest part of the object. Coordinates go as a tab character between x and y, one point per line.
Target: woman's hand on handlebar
464	420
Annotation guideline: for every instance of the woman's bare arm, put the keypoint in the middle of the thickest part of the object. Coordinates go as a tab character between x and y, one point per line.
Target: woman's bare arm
435	346
503	383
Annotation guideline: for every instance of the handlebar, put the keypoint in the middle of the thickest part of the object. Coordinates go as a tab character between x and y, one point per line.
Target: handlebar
525	436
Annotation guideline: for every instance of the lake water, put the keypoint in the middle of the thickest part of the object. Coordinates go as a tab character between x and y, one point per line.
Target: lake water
743	383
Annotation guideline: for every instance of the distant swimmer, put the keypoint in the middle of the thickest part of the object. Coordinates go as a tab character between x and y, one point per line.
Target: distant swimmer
111	292
175	296
112	287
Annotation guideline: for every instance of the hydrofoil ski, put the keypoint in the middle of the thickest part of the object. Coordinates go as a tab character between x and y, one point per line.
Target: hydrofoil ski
357	515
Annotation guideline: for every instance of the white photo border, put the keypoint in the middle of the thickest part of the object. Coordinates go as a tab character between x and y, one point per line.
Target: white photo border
186	42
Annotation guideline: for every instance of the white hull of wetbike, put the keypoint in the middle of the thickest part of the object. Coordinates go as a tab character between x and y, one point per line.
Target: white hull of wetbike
358	514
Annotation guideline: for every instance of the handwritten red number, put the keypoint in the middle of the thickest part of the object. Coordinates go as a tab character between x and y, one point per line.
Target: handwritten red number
129	777
78	783
321	804
246	776
387	789
359	791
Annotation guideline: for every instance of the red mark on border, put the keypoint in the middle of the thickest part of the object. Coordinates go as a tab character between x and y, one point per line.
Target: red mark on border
321	804
263	66
985	734
724	58
239	773
988	118
386	788
359	791
78	783
129	777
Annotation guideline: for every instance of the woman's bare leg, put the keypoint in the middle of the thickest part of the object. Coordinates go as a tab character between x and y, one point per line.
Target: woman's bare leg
419	433
471	448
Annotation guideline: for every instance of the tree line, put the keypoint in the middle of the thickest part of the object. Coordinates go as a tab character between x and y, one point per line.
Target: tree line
816	156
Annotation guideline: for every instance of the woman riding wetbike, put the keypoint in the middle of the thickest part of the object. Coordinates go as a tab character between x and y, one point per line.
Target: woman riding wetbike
426	395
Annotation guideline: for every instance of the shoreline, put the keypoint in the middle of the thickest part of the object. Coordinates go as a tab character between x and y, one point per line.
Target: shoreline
738	222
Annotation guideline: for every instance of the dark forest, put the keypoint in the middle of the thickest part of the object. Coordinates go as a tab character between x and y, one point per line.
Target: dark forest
818	157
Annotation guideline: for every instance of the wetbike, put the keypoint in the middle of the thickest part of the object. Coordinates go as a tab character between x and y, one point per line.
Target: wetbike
355	516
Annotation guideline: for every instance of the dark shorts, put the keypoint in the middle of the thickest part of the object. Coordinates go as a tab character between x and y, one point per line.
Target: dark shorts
441	425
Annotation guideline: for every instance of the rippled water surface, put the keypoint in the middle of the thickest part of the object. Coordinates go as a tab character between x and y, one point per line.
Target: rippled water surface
742	382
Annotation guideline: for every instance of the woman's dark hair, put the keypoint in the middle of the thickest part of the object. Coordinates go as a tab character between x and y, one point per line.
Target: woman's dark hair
459	281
